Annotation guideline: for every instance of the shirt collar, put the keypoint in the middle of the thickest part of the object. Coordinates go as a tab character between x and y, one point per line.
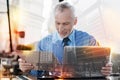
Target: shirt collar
56	37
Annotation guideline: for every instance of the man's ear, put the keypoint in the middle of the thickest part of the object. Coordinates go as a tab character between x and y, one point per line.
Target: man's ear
75	21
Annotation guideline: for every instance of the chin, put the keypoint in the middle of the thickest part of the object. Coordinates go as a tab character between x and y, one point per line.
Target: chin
64	36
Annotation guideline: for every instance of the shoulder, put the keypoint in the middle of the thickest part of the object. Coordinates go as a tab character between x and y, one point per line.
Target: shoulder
46	39
49	37
84	38
44	43
82	34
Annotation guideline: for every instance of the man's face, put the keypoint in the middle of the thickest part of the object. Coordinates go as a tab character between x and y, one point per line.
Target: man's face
64	22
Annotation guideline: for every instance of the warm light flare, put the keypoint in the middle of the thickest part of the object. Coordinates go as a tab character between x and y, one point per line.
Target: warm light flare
112	46
64	72
112	23
4	33
15	15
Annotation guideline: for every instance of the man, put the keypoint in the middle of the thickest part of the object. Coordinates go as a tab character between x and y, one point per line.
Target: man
65	35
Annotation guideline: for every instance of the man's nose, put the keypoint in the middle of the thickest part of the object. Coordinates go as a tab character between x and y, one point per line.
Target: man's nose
61	27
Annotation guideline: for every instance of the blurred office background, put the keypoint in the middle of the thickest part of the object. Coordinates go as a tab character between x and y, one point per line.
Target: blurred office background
100	18
31	20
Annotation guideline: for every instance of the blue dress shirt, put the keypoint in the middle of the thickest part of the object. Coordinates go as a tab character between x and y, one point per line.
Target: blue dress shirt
53	43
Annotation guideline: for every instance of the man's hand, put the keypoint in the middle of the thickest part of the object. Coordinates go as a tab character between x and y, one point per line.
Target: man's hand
107	70
25	66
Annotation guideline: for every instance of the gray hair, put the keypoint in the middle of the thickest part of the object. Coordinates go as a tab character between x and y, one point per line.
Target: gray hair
64	5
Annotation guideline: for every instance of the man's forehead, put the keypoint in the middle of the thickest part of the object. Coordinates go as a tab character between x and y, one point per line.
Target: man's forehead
65	12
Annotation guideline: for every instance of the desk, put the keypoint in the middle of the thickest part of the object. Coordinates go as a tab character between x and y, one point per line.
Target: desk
17	78
13	77
34	78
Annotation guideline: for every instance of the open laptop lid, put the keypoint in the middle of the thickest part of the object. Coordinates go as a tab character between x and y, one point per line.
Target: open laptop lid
85	61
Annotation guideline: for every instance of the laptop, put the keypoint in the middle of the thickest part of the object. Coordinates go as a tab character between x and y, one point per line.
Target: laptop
85	61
